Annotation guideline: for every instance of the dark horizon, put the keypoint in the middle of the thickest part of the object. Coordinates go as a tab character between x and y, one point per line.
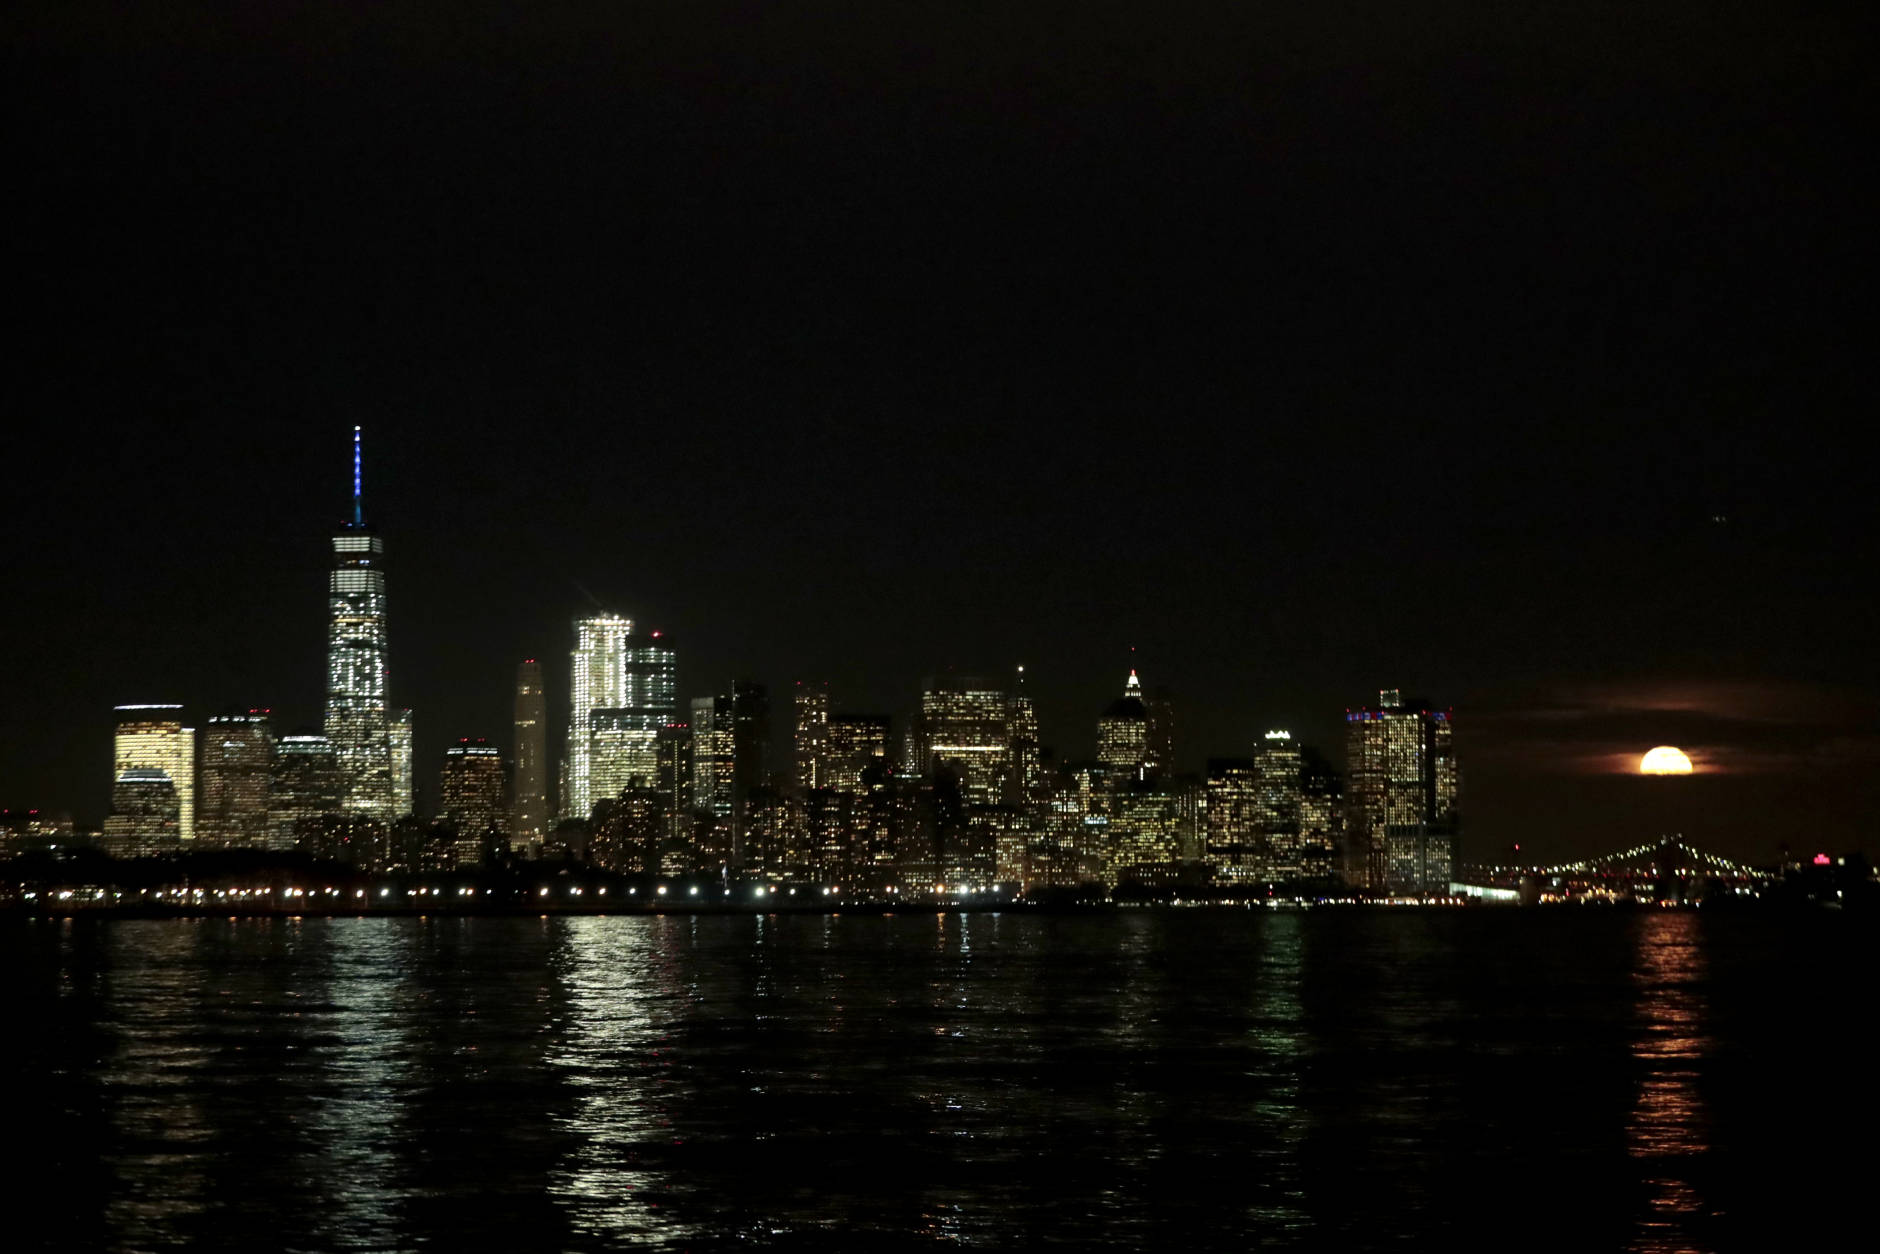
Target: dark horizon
1505	358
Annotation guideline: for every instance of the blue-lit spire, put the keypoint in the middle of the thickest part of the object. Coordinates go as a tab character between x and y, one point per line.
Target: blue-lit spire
359	509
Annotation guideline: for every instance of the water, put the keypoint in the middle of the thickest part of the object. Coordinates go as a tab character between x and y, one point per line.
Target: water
1202	1079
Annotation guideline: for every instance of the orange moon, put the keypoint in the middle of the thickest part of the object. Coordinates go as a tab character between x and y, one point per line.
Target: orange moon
1665	760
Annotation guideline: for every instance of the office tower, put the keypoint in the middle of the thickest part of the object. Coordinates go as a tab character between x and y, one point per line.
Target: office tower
152	737
305	784
1123	733
772	835
622	739
237	756
357	718
471	789
1058	836
672	750
1027	754
811	740
473	798
852	744
598	681
730	764
1158	741
964	729
1233	842
626	835
144	810
1278	808
530	821
1144	843
398	746
750	733
1401	797
622	753
829	830
712	756
1321	818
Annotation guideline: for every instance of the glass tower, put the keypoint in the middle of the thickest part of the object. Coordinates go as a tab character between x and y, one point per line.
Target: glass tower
531	820
598	681
237	755
152	737
357	720
1401	797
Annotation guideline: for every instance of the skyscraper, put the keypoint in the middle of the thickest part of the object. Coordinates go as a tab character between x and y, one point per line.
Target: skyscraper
237	755
1278	806
853	743
470	791
1401	797
143	813
673	751
811	741
1234	847
712	755
965	728
398	744
623	738
1028	781
1123	733
304	786
531	820
152	737
357	719
750	737
597	681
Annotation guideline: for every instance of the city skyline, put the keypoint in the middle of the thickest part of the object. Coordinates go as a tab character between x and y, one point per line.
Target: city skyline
1128	626
626	700
1498	360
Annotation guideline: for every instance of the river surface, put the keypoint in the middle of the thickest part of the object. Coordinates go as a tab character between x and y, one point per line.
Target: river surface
1334	1079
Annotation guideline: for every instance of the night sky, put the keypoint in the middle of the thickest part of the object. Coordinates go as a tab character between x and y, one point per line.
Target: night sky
1502	353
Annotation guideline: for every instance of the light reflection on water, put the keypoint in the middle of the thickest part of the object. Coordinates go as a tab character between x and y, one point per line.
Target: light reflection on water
1669	1127
1211	1079
613	1052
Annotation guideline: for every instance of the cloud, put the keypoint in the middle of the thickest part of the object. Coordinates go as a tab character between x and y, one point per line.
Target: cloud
1728	727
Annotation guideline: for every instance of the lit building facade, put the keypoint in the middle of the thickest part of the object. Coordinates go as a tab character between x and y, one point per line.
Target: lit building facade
1028	777
237	757
532	817
1144	842
152	737
306	783
712	756
398	746
673	783
597	681
1233	842
472	793
853	743
1278	807
964	728
1321	819
357	716
1401	797
811	735
1123	733
143	818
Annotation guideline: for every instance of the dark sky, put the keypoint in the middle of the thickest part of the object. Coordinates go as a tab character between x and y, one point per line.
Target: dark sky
1306	349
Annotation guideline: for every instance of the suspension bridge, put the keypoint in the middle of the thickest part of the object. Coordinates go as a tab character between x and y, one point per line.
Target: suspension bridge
1668	869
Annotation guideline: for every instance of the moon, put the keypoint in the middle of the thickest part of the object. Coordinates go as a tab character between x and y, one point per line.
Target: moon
1665	760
